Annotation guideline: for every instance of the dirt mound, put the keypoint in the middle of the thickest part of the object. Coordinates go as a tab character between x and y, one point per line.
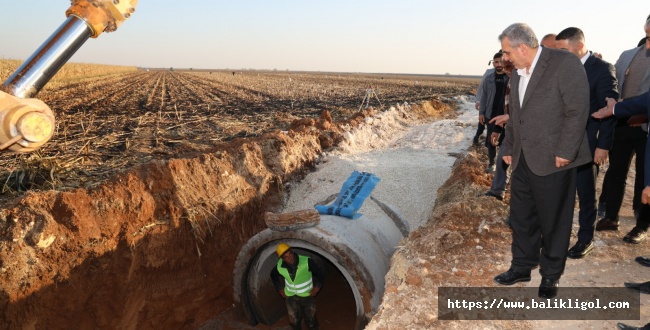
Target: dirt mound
153	247
113	118
457	247
127	253
466	243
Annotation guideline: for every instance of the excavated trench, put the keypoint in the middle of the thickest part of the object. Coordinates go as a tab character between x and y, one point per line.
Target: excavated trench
156	247
357	254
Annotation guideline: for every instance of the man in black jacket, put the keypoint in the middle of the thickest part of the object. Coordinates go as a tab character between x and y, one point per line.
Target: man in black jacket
600	133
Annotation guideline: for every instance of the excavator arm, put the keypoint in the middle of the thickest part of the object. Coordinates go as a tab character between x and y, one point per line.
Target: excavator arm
27	123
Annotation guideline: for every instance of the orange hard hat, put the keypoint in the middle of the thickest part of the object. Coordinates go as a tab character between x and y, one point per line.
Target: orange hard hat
281	249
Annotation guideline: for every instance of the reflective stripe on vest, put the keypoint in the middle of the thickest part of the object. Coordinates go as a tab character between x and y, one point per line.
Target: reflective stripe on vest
301	286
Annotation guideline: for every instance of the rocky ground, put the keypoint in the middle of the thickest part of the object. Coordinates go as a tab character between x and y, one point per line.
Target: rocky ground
466	243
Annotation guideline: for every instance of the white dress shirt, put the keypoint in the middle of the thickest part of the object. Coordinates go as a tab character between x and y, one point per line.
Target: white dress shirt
584	58
524	77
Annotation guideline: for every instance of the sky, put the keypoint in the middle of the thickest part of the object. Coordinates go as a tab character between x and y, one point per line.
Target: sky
380	36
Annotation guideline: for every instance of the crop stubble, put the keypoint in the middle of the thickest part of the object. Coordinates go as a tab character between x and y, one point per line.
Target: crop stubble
111	118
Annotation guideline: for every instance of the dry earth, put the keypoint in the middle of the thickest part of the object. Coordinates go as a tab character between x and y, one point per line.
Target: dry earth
113	118
466	243
148	247
153	247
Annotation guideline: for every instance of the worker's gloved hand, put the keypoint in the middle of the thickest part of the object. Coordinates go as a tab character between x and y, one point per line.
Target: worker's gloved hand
284	295
314	291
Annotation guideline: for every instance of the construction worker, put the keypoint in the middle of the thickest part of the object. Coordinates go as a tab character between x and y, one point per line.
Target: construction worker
297	279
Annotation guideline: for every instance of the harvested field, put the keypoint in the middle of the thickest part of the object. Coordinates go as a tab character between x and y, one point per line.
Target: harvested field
132	216
111	118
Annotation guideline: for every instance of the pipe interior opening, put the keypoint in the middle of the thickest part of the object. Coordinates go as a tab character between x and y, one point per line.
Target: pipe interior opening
336	306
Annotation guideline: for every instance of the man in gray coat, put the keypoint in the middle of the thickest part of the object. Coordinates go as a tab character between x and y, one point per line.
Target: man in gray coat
481	127
545	142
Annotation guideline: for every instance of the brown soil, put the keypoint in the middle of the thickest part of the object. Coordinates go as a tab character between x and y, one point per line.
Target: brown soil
466	243
150	207
109	123
153	247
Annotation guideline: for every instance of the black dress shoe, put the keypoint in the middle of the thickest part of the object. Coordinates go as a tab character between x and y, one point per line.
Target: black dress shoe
511	277
635	236
624	326
643	261
606	224
580	250
548	288
491	194
641	287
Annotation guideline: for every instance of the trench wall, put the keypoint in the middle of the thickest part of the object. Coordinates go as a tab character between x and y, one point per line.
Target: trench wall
154	247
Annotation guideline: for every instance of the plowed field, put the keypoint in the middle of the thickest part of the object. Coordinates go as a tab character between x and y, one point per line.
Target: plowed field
164	204
111	120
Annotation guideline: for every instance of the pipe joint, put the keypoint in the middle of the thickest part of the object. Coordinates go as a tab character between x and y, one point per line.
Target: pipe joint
102	15
25	124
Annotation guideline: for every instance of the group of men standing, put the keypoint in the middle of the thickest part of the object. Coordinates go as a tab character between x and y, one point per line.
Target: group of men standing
555	146
563	122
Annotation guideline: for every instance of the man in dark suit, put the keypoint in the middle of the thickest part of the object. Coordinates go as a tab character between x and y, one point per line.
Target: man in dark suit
600	133
545	142
638	105
633	74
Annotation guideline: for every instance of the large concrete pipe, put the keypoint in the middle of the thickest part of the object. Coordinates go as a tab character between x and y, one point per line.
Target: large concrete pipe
359	250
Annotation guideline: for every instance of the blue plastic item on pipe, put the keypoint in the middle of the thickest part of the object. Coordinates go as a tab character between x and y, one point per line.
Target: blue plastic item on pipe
354	192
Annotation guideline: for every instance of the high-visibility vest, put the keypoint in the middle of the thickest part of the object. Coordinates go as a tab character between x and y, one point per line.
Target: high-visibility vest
301	286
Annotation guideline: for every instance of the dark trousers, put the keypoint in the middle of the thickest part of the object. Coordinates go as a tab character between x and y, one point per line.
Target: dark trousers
492	150
643	221
500	180
479	131
586	187
541	206
297	307
627	141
